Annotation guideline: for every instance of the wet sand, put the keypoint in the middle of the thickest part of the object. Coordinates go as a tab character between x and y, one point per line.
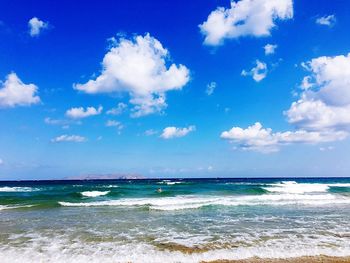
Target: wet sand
316	259
191	250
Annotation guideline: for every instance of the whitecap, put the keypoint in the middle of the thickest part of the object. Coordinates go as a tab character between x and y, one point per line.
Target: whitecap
6	207
339	185
94	193
17	189
293	187
193	202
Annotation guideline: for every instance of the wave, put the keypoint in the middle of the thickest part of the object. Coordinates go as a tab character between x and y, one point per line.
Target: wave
94	193
293	187
168	182
339	185
193	202
6	207
17	189
111	186
54	250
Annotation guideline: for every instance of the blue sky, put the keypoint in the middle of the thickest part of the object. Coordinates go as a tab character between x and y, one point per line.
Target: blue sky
174	88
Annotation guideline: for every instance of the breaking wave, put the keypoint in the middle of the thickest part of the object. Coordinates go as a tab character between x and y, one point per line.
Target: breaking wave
94	193
17	189
192	202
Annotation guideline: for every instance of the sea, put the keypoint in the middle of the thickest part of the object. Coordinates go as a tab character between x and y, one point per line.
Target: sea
173	220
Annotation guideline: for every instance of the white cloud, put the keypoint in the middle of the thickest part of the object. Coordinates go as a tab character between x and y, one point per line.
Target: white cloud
69	138
321	114
116	124
1	161
117	110
325	100
210	88
305	84
150	132
78	113
245	18
60	122
14	92
51	121
270	49
36	26
329	148
259	139
326	20
174	132
258	72
138	67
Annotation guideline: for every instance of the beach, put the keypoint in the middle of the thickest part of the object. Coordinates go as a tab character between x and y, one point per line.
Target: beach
318	259
189	220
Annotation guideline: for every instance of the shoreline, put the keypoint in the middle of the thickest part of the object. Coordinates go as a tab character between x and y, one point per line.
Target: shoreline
305	259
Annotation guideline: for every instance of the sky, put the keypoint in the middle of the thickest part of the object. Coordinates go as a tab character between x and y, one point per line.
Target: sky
248	88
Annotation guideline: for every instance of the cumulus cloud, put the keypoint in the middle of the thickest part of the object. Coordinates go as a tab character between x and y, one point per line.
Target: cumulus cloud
14	92
325	100
326	20
244	18
79	113
138	66
259	139
121	107
270	49
68	138
36	26
210	88
174	132
321	113
258	72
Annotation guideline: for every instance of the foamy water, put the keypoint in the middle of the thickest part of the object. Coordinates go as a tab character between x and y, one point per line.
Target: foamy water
94	193
129	221
191	202
17	189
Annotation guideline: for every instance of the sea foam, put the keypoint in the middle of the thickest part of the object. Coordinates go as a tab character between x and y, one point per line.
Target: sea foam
94	193
293	187
52	250
192	202
17	189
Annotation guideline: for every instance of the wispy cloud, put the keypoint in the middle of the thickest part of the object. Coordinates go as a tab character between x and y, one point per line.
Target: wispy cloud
210	88
121	107
258	72
68	138
329	20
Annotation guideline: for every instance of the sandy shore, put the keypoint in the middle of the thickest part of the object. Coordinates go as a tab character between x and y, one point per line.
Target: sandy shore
316	259
190	250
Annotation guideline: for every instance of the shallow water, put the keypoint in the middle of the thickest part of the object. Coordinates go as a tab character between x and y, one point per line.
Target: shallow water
189	221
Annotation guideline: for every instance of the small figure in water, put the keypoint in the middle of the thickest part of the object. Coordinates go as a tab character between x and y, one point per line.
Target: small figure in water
159	190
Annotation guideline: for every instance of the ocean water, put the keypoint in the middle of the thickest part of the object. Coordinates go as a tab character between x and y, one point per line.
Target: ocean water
191	220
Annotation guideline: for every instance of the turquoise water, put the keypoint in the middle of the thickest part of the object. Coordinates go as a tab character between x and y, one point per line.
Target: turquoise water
188	221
